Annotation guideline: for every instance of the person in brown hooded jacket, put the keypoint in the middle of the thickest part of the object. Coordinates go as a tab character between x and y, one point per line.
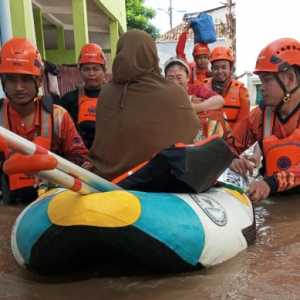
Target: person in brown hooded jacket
141	113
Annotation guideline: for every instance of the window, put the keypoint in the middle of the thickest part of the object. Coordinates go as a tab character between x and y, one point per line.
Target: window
259	97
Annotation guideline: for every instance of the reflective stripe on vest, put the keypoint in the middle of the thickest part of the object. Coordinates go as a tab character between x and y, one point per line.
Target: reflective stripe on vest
279	154
86	107
19	181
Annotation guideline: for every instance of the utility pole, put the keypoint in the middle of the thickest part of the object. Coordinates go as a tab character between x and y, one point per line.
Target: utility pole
231	24
170	12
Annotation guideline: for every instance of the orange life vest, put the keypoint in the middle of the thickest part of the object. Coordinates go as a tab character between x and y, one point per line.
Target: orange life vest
232	100
20	181
86	108
279	154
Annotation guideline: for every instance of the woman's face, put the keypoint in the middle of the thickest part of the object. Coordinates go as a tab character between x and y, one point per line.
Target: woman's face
178	75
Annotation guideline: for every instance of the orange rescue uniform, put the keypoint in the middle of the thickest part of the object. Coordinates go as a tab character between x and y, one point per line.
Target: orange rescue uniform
81	104
53	127
236	101
280	141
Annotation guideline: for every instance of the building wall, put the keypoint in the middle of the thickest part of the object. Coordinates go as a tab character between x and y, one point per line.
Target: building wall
117	9
219	17
5	28
23	24
253	84
5	23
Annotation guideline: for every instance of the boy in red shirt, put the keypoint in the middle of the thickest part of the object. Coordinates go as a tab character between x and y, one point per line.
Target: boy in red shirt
200	67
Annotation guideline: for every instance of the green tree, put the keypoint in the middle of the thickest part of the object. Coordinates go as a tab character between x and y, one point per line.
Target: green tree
139	16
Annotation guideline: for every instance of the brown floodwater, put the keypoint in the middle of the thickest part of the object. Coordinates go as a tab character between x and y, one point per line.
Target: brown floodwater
270	269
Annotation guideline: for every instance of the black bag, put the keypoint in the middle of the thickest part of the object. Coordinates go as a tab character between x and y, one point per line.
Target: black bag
182	169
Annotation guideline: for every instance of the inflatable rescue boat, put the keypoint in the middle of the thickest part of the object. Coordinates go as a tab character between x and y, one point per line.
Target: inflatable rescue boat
168	219
64	231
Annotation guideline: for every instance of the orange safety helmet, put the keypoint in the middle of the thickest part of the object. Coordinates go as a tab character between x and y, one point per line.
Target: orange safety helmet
91	54
201	49
278	55
19	56
221	53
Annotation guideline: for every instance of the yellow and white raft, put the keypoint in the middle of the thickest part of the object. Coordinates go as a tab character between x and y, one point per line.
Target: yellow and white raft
64	231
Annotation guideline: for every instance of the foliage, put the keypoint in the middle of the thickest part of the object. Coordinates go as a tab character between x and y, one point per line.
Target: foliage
139	16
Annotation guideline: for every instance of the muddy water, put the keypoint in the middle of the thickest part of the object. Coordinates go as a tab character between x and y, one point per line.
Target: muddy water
268	270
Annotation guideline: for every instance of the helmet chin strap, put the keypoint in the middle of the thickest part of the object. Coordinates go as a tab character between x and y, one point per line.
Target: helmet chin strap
287	94
219	86
36	88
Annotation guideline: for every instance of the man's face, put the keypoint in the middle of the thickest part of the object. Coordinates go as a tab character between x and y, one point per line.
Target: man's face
270	89
178	75
93	75
21	89
221	70
201	61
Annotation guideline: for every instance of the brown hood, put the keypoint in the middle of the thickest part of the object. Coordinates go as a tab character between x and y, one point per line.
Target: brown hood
139	113
136	57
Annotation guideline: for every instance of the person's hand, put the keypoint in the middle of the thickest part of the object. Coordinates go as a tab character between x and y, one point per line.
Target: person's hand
258	190
254	158
187	26
242	166
196	100
87	165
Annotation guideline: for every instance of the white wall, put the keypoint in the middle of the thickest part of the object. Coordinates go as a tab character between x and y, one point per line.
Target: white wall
259	22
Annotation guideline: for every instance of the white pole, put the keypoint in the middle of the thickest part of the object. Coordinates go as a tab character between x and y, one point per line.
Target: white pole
24	146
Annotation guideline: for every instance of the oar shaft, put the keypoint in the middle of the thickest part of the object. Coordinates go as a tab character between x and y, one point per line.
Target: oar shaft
24	146
67	181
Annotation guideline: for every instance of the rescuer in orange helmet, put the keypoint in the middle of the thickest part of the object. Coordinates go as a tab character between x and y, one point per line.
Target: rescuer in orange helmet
81	102
275	125
236	98
31	116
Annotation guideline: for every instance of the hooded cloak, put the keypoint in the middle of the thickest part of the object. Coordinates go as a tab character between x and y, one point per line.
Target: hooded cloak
139	113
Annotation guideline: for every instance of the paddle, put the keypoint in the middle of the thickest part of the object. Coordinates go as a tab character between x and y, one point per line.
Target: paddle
66	173
44	167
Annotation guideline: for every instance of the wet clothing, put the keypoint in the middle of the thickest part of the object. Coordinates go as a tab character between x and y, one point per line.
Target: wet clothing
236	100
284	135
71	102
197	75
53	125
141	113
